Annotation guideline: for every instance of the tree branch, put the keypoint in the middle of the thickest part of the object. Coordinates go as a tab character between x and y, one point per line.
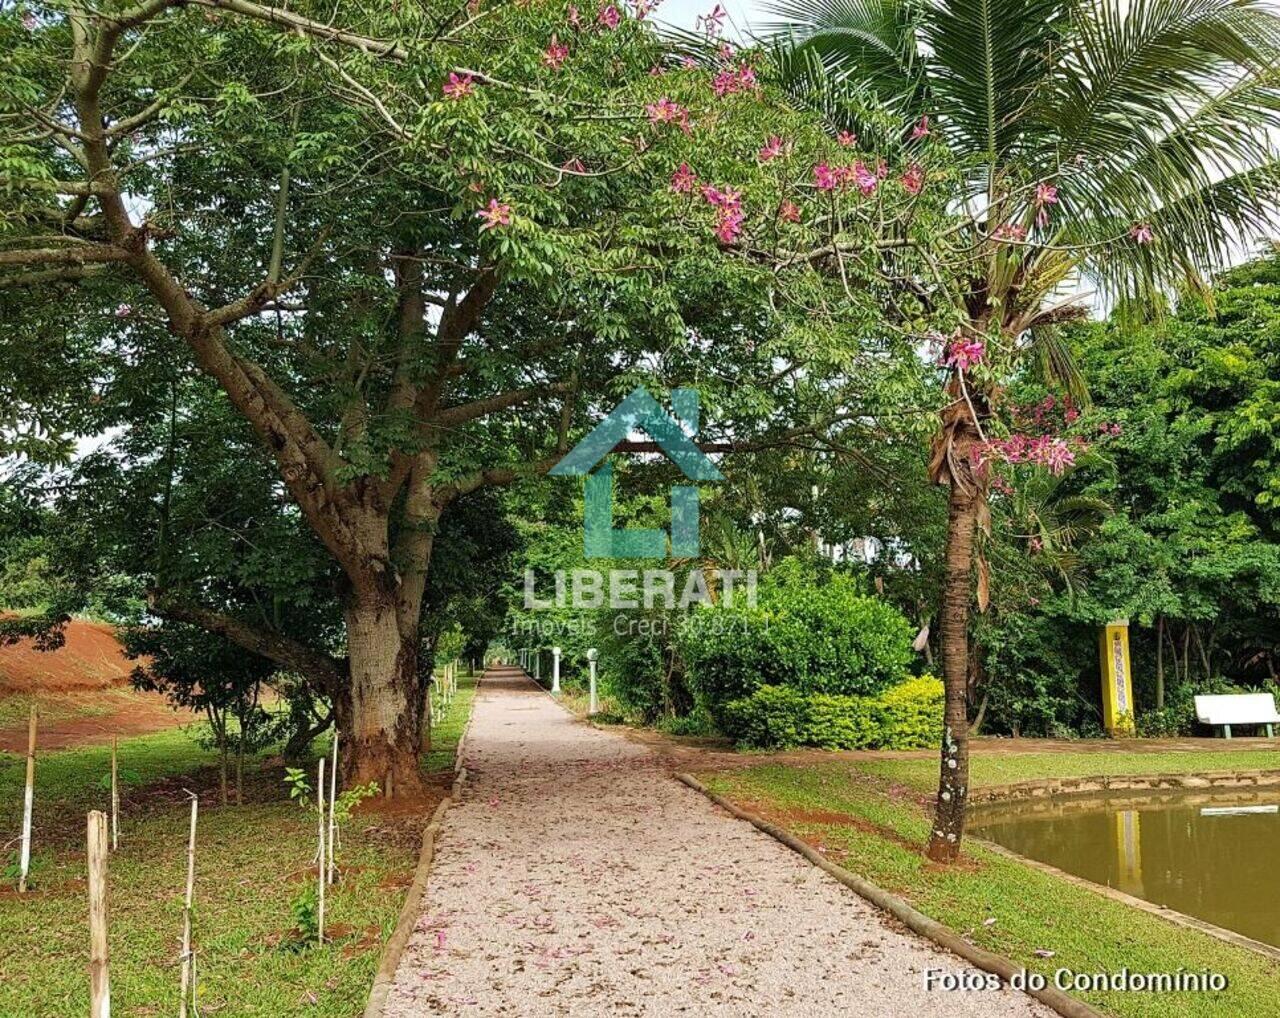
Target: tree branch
326	671
463	412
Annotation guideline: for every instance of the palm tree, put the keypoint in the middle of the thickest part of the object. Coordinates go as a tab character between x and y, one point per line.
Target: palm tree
1129	144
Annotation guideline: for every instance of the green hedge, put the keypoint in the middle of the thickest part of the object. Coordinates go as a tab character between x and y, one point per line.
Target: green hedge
905	716
815	637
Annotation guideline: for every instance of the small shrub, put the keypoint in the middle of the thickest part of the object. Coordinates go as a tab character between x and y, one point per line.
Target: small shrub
815	637
905	716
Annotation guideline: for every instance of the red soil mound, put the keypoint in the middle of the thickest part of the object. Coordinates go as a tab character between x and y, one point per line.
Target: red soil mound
91	658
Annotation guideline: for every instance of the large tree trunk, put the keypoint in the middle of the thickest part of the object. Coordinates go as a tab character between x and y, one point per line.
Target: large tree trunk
383	738
953	783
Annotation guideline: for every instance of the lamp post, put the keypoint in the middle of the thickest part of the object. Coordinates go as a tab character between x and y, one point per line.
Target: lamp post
537	665
592	654
555	670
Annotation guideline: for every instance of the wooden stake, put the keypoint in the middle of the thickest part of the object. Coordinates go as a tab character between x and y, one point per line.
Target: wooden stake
115	798
188	962
99	962
28	801
333	797
320	872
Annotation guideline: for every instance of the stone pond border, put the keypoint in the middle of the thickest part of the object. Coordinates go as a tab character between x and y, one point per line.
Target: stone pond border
409	911
945	937
1049	788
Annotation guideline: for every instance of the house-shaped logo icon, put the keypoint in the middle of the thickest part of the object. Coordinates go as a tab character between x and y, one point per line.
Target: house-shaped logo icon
641	412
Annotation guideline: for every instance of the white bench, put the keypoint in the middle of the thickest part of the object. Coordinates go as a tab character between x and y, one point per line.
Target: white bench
1238	709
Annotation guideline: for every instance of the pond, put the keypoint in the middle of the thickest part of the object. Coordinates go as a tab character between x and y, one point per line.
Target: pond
1209	856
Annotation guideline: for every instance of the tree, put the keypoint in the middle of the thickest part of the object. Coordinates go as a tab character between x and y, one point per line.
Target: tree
381	254
1126	143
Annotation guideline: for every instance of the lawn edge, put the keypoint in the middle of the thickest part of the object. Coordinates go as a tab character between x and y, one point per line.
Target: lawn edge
393	950
915	920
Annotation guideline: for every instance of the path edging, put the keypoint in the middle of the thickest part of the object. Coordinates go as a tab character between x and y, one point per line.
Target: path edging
915	920
399	939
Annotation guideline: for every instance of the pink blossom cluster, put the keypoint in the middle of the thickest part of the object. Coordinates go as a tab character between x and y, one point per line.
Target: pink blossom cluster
729	214
1046	195
712	24
965	353
1009	231
667	111
828	178
608	18
913	179
1141	233
921	130
1049	451
735	79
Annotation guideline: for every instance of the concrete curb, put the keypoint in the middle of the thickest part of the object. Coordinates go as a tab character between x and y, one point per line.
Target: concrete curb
918	922
399	939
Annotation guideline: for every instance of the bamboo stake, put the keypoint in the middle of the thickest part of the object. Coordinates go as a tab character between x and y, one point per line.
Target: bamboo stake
188	961
320	872
333	798
99	962
115	798
28	801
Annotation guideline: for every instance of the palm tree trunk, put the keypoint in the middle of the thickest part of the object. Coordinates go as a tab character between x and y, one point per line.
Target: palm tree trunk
953	782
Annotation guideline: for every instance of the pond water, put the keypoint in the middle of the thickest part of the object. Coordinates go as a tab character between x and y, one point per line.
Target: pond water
1212	857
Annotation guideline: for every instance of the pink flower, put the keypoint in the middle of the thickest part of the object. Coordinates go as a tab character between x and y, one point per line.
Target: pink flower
1009	231
683	180
609	17
921	130
725	52
1035	545
459	87
495	214
555	54
726	199
913	179
574	165
728	225
825	178
689	63
866	180
847	138
790	212
575	16
1046	195
964	354
712	24
739	79
124	311
771	149
1141	233
657	71
643	7
665	111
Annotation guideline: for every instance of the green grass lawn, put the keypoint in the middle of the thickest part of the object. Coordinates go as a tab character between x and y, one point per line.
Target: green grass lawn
856	811
987	769
252	862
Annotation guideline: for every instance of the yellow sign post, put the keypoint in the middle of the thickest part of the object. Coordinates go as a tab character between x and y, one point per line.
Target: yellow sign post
1117	680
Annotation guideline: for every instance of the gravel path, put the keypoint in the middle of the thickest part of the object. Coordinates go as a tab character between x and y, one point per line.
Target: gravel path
577	877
